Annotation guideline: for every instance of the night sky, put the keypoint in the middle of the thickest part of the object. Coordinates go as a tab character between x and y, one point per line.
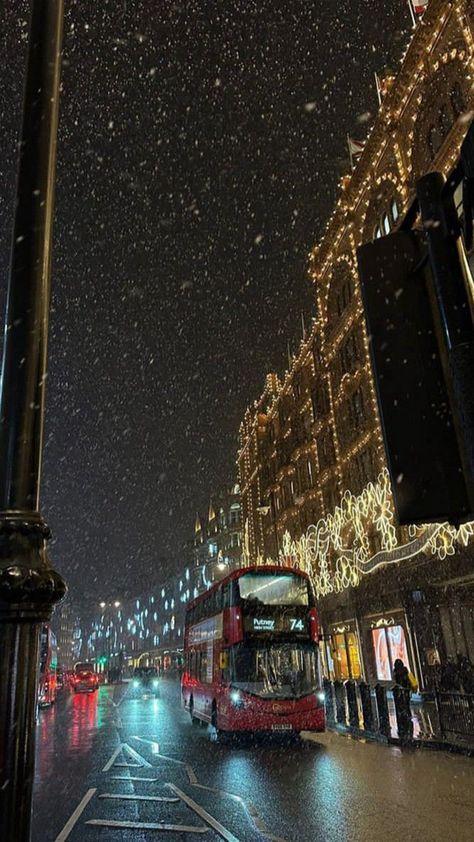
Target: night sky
200	148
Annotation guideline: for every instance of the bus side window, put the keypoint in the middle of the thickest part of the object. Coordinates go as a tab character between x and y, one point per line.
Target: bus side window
226	596
203	667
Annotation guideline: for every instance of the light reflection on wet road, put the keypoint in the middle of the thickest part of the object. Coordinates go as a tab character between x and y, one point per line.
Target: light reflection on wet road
330	788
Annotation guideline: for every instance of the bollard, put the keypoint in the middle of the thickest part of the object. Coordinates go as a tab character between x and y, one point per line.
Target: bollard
352	706
366	704
401	698
329	701
340	702
382	710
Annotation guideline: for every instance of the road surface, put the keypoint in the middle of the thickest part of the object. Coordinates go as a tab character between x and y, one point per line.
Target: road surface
111	768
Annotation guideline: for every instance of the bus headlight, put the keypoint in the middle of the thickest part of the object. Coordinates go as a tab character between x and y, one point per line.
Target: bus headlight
237	699
321	696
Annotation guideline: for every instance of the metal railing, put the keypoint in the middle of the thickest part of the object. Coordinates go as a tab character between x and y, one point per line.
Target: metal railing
359	706
455	713
386	711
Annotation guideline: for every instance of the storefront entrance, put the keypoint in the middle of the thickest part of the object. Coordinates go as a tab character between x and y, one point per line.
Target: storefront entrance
342	653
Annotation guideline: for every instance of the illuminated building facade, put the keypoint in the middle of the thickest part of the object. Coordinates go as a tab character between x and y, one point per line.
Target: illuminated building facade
315	490
67	627
218	537
149	628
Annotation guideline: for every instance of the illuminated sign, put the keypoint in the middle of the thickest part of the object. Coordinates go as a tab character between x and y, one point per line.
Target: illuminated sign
280	624
207	630
262	624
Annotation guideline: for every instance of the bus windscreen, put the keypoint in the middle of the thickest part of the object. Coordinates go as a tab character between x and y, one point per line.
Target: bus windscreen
273	589
280	670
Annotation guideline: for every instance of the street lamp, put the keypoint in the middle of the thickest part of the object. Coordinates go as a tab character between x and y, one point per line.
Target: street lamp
29	587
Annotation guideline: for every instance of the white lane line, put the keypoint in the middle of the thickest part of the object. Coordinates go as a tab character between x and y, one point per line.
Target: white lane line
189	769
174	828
134	778
128	765
136	756
117	796
110	762
74	817
247	805
191	774
155	747
204	815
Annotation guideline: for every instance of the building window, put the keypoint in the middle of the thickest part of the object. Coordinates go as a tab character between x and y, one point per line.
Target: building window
377	232
320	399
365	467
357	406
386	223
394	211
389	643
346	660
326	450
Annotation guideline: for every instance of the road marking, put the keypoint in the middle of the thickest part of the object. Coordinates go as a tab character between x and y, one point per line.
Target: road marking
191	774
155	747
120	797
132	778
110	762
247	805
74	817
128	766
205	816
136	756
176	828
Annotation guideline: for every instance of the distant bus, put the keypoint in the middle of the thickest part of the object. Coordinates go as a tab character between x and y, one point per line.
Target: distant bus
251	653
47	686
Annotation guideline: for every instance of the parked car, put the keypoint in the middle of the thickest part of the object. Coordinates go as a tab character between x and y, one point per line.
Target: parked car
145	682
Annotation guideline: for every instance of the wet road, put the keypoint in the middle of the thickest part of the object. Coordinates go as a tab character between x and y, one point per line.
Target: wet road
101	759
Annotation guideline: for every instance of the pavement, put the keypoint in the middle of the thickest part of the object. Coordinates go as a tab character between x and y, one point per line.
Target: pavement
111	768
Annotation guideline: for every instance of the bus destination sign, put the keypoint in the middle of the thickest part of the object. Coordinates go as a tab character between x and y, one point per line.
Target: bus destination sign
283	623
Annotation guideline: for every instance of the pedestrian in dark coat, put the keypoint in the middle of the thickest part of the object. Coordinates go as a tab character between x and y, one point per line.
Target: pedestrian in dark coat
400	674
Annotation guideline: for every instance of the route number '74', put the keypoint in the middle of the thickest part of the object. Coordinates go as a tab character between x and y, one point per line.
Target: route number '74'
296	625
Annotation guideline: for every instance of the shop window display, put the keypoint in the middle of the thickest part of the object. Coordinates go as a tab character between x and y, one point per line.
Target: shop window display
346	656
389	644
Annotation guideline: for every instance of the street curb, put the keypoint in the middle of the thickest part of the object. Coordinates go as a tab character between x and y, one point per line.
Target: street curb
417	745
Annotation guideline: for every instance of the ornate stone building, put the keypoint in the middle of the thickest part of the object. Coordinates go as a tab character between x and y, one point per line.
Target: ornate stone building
315	490
218	537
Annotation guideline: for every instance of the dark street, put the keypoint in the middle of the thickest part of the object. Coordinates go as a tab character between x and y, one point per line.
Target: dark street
327	787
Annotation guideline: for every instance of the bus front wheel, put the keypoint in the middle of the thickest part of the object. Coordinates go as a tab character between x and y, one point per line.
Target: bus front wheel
215	734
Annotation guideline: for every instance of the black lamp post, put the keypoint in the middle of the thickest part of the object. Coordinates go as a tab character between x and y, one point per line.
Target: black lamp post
29	587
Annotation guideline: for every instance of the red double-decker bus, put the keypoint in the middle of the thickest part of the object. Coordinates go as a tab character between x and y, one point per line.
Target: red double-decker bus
252	654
